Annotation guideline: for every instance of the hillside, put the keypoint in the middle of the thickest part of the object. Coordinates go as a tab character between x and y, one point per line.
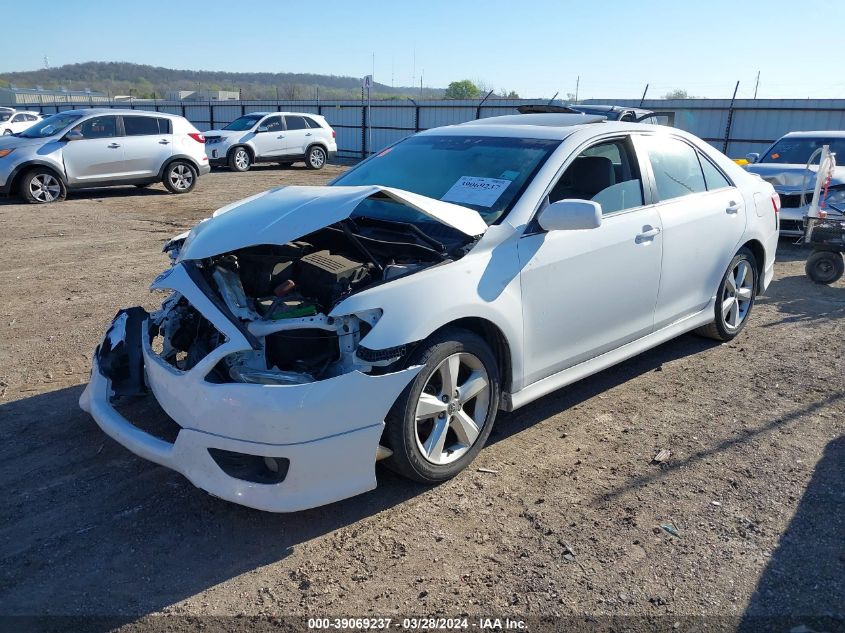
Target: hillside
149	81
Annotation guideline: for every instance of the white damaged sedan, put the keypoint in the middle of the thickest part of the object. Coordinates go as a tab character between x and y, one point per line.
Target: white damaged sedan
312	331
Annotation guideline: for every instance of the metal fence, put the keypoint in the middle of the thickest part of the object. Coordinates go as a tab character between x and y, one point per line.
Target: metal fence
734	127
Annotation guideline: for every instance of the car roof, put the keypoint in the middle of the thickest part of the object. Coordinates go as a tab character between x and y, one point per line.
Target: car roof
121	111
817	134
542	126
280	112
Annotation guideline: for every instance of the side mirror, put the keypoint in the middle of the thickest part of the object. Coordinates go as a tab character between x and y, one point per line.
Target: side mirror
570	215
261	128
74	135
752	158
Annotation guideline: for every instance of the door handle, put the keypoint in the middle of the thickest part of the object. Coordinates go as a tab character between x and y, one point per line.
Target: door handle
114	145
648	234
163	141
282	136
308	134
733	208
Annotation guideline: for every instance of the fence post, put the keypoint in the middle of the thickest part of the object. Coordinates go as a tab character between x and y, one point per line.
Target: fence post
416	115
730	121
478	107
364	124
211	115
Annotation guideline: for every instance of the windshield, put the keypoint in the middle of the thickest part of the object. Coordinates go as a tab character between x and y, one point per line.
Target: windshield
797	151
244	123
49	126
484	173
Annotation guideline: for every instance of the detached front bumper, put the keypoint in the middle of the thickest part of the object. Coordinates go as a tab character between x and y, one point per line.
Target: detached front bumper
322	436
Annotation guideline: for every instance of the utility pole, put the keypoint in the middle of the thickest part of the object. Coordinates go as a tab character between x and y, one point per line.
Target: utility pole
577	86
756	84
422	72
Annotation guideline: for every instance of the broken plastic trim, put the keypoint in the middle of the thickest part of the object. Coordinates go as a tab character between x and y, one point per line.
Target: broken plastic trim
199	280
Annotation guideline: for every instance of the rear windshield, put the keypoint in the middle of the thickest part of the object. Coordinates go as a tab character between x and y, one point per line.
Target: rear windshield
484	173
244	123
797	151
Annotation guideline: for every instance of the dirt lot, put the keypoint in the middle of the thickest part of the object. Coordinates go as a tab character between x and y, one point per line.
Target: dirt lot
569	522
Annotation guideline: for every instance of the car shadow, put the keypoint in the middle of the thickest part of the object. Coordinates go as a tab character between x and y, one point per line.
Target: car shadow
138	537
803	584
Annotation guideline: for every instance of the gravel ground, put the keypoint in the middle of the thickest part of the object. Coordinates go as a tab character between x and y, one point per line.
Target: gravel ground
568	522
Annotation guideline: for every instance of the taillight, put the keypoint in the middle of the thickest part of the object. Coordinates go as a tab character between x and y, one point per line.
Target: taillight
199	138
334	134
776	202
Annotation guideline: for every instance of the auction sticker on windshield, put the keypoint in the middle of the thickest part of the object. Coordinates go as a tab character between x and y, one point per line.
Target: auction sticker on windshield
482	192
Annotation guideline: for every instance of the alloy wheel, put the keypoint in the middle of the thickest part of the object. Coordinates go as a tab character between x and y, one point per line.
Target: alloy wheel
452	408
45	188
181	177
241	159
738	295
316	158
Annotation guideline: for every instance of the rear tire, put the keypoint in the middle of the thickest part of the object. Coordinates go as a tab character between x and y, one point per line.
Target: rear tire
825	267
240	159
42	186
180	177
734	300
443	418
316	157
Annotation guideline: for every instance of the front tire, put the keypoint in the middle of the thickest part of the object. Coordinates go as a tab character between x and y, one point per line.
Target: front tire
825	267
240	159
734	299
180	177
443	418
41	186
7	132
316	157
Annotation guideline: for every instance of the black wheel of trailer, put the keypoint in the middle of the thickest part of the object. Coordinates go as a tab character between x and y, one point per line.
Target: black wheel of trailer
825	267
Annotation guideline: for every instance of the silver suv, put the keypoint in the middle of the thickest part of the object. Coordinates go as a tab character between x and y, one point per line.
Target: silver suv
77	149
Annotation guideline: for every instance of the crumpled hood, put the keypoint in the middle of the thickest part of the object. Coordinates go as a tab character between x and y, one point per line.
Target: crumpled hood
280	215
787	179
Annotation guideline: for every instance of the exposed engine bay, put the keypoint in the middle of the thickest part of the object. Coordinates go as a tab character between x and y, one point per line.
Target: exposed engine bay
281	295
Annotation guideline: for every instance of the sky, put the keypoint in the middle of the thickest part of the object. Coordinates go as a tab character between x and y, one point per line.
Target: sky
536	48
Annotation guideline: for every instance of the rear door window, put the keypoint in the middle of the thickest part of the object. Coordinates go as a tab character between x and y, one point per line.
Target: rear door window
713	178
145	126
312	123
677	172
295	123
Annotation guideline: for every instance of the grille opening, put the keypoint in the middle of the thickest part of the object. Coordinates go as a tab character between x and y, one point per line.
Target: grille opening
258	469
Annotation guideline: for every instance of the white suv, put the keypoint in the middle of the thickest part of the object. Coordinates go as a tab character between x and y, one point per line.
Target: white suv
77	149
13	122
272	137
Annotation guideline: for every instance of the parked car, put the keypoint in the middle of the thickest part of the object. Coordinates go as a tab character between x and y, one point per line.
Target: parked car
465	269
78	149
784	165
609	112
17	121
272	137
